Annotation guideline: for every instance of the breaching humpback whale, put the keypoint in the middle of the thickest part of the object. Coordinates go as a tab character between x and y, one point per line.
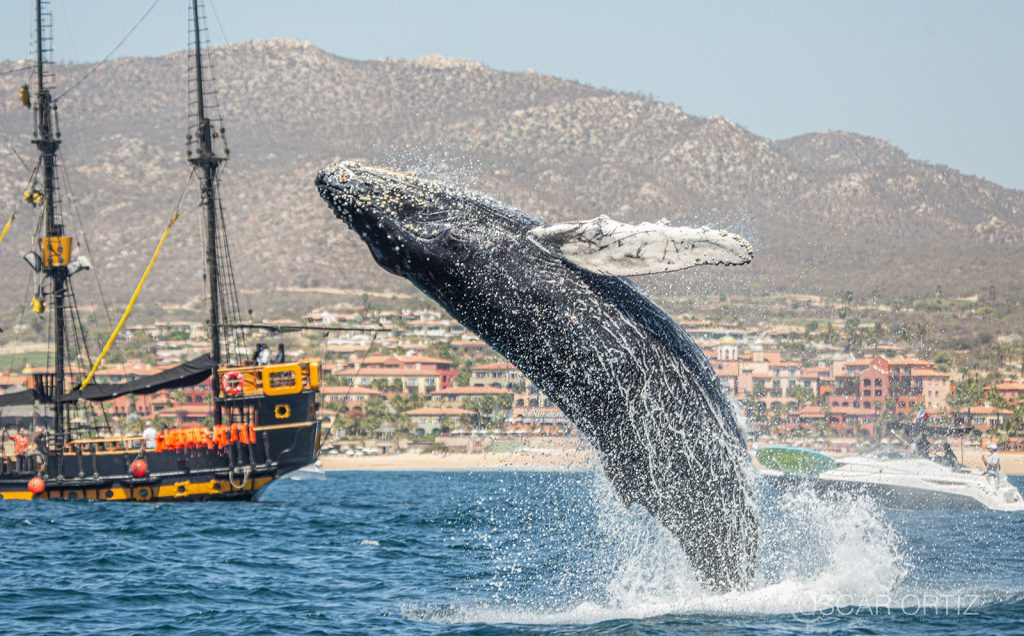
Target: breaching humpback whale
550	298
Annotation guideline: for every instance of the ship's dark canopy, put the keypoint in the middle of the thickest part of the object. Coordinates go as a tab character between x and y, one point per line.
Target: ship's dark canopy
188	374
22	397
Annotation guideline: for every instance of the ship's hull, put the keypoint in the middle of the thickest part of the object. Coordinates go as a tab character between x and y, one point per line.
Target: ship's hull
236	472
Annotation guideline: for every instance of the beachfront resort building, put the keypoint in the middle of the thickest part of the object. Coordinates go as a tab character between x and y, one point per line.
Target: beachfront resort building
433	420
499	375
459	396
1011	392
903	385
398	374
350	400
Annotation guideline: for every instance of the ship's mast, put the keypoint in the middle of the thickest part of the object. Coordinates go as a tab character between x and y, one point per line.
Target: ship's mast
206	162
47	140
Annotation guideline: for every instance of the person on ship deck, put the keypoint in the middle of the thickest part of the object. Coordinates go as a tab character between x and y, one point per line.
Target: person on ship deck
21	449
262	355
149	435
279	356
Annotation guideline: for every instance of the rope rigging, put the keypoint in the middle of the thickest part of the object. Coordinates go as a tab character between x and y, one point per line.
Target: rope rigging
96	66
138	288
131	302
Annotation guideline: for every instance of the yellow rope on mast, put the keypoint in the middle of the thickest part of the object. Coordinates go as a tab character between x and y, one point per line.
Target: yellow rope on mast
131	304
7	227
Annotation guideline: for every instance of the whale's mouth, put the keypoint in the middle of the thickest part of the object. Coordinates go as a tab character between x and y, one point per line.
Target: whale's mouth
354	190
340	188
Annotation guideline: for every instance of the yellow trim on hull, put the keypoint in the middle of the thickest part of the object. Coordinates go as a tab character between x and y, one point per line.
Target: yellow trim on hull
175	491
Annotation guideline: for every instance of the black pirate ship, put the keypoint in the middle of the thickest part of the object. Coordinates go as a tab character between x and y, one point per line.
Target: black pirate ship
263	420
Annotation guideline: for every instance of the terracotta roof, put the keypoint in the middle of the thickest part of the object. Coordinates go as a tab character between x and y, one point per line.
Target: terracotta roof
927	373
389	373
910	362
434	410
11	379
349	390
502	365
1010	386
393	359
471	390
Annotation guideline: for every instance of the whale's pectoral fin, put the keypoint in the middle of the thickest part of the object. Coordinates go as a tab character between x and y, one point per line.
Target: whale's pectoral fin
608	247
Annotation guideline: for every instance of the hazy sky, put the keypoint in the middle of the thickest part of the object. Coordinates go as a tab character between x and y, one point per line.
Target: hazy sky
943	80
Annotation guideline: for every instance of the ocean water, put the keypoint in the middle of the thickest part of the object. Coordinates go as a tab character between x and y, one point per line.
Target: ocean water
493	553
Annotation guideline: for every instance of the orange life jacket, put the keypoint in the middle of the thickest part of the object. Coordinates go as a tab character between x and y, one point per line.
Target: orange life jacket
220	435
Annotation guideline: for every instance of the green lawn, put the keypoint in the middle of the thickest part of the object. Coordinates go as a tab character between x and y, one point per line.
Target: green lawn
18	361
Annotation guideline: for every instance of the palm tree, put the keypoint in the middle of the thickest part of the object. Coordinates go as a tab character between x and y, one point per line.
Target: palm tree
377	413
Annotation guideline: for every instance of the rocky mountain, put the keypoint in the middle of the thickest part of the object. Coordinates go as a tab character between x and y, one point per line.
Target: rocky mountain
826	212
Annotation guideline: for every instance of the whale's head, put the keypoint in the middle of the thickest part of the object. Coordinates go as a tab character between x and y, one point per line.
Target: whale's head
410	223
422	229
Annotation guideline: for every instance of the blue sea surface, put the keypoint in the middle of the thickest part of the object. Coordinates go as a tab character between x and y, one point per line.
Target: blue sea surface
492	553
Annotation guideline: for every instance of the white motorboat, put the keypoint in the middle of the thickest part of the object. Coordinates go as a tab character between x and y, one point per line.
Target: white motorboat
308	472
904	482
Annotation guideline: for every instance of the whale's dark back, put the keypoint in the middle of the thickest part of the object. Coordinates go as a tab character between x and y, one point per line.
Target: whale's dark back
633	382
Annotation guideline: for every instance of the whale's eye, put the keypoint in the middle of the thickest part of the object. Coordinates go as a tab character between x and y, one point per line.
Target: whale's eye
413	212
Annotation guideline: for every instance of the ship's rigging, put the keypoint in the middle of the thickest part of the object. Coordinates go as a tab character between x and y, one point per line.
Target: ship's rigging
264	416
207	150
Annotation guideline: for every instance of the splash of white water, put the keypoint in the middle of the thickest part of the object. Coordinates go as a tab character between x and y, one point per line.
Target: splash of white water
819	553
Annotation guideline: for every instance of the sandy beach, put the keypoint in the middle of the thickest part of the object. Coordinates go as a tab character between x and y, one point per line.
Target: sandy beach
553	455
516	460
542	453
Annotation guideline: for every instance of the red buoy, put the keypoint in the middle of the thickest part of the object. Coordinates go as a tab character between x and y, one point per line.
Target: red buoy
36	485
140	467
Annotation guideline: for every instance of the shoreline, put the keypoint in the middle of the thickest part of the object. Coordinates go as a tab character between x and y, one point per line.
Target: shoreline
557	458
557	461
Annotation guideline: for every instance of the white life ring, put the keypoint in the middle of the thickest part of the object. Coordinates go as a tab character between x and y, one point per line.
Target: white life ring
233	383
